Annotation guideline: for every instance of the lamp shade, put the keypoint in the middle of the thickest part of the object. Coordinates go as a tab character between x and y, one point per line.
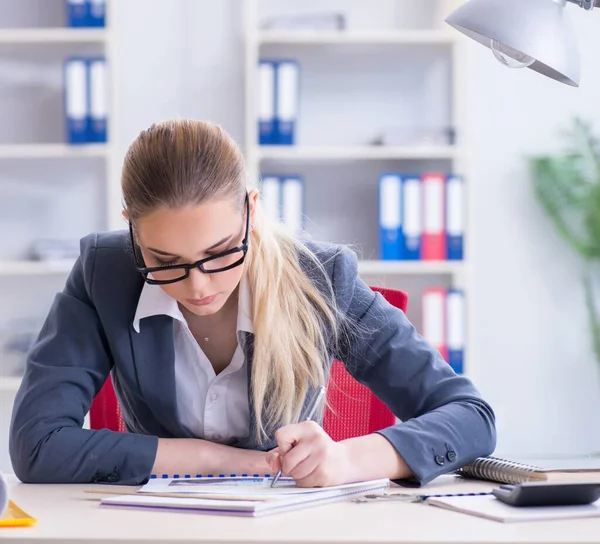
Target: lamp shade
540	29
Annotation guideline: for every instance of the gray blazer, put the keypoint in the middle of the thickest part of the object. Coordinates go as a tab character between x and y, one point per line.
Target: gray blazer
89	334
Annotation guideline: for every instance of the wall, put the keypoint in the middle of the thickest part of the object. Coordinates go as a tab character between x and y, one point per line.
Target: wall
532	348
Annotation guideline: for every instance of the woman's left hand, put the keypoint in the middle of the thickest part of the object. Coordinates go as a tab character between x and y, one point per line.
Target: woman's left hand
309	455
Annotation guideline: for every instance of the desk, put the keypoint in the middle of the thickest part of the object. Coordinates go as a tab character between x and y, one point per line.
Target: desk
67	515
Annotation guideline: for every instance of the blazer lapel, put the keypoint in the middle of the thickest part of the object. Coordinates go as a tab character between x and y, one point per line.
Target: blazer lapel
251	442
154	360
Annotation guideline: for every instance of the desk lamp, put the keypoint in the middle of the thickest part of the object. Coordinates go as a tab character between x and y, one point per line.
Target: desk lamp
535	34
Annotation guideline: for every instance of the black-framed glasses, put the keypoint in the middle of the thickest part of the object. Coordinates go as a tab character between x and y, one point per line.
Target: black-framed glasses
226	260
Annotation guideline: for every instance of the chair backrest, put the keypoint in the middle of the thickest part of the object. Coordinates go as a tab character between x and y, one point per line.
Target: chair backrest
352	409
105	412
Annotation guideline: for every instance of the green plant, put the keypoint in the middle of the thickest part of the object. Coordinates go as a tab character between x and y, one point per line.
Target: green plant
568	188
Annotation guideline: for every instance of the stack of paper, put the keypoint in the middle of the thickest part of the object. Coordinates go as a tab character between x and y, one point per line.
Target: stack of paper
239	496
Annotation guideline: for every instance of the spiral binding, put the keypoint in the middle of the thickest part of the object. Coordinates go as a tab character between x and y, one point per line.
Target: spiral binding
500	470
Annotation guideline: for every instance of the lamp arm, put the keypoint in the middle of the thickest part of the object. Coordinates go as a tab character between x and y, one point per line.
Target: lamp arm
588	5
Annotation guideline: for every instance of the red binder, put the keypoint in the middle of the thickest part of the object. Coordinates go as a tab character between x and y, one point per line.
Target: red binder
433	245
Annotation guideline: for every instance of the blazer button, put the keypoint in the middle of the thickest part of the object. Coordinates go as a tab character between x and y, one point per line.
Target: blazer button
112	478
439	460
451	456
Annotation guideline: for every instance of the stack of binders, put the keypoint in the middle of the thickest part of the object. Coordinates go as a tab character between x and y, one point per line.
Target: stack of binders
282	199
86	13
421	217
278	84
443	326
85	98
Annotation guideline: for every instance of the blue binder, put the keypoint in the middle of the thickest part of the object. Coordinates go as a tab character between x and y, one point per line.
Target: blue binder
77	13
391	237
98	109
76	99
455	326
454	217
96	13
286	101
412	220
266	102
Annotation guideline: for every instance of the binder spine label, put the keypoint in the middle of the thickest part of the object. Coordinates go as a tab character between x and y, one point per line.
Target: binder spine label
411	218
434	319
287	102
76	100
434	236
266	103
454	218
271	197
390	221
97	126
456	329
293	204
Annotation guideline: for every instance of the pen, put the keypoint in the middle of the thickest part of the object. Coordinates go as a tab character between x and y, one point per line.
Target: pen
307	414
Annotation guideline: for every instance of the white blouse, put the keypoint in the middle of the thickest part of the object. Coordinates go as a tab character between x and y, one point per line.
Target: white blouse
209	406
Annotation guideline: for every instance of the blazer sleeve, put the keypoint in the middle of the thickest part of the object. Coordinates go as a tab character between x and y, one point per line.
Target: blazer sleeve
65	369
445	423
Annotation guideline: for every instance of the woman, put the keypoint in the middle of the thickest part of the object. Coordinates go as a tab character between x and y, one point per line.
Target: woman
217	327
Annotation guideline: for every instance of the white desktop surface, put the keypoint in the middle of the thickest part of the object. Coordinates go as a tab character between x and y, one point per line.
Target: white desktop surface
67	515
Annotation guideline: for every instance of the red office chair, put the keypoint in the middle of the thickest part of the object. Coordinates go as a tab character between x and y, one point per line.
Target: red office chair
352	409
105	412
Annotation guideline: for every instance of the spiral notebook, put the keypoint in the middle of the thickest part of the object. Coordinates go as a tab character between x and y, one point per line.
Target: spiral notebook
500	470
508	471
241	496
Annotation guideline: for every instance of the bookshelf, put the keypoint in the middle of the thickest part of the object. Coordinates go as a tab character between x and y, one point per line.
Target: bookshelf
52	35
327	37
355	152
48	188
52	151
347	74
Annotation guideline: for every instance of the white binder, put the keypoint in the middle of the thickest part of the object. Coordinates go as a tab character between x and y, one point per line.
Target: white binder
98	100
293	203
271	197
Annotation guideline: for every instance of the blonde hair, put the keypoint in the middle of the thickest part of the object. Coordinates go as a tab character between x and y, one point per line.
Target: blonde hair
177	163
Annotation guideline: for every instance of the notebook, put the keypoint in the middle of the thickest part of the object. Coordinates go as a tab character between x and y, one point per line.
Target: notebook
238	496
500	470
514	471
489	507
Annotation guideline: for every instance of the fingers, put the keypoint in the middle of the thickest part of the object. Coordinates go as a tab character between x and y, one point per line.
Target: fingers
301	448
316	478
301	464
274	461
287	437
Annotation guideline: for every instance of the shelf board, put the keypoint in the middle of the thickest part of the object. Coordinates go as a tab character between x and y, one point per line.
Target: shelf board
44	151
344	37
10	383
415	268
35	268
356	152
52	35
